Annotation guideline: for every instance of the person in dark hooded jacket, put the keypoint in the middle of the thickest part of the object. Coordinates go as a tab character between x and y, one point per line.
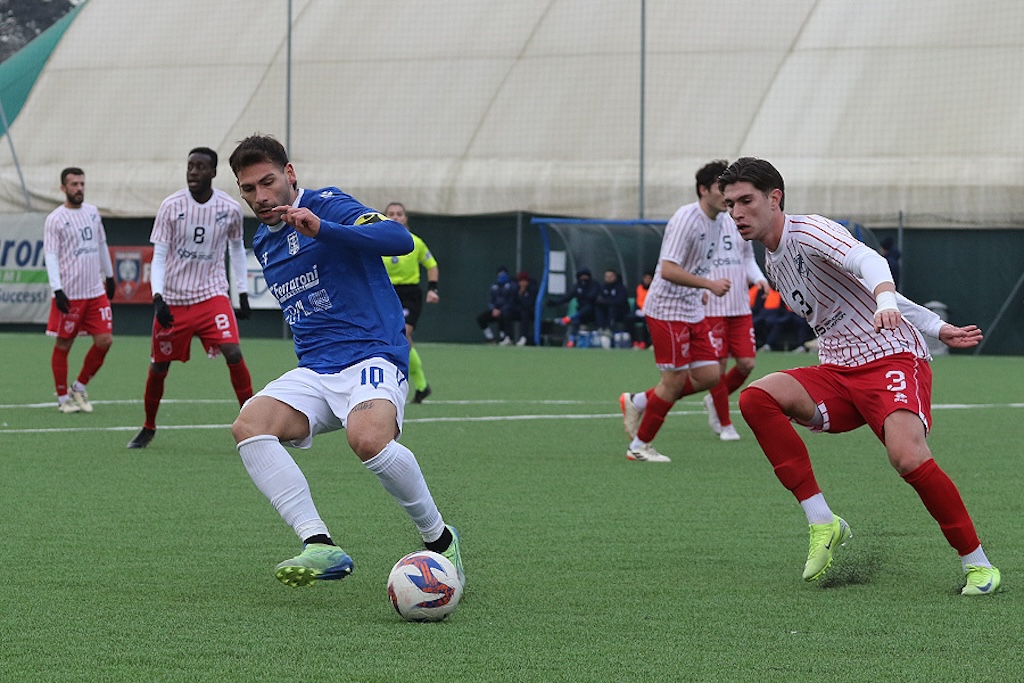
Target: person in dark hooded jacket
585	292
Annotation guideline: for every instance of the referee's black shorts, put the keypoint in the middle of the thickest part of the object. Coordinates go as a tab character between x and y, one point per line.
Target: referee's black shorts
411	297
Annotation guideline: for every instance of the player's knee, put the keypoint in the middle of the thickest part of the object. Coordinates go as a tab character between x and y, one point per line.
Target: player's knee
754	400
745	366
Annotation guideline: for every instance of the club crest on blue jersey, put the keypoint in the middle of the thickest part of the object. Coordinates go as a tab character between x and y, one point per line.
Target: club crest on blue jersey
293	244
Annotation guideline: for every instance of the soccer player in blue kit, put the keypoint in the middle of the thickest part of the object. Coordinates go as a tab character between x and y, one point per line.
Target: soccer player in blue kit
321	255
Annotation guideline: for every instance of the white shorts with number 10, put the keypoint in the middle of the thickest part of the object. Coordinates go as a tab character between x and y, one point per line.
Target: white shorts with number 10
326	400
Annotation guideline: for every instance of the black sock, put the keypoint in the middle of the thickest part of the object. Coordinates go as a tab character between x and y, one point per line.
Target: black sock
319	538
442	543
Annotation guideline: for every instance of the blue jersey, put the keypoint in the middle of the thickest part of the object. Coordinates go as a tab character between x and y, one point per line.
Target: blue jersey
333	289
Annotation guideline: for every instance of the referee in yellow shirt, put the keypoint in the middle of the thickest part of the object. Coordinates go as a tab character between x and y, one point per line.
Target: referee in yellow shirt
404	272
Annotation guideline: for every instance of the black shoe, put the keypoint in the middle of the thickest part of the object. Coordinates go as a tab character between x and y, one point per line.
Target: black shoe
419	395
143	438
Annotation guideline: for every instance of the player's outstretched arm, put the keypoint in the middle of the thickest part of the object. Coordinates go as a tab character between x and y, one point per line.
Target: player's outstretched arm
960	337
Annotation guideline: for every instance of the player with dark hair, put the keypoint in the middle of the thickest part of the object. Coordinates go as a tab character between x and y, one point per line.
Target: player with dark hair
321	253
874	367
193	228
81	276
674	311
404	271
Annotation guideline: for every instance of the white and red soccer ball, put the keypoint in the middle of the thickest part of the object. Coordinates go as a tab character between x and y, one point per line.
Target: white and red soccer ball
424	586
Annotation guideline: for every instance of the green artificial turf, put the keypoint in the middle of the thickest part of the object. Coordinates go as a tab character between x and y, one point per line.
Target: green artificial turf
156	564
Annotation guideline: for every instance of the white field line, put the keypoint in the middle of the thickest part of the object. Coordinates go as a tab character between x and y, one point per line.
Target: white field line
427	420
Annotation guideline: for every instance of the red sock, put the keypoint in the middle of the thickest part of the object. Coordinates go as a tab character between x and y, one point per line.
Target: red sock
93	361
154	392
241	381
654	416
720	396
778	439
942	499
734	379
59	363
687	388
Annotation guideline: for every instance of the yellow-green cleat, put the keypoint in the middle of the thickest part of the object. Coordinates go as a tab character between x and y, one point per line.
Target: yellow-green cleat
454	554
316	562
981	580
825	538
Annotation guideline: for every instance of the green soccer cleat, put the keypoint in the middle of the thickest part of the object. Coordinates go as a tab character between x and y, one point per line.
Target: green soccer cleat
316	562
454	554
981	580
825	538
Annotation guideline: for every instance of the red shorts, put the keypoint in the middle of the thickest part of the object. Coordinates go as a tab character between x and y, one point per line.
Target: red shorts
85	316
867	394
733	336
678	344
213	321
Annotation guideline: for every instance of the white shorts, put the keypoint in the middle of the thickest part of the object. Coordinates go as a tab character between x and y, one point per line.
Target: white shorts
326	400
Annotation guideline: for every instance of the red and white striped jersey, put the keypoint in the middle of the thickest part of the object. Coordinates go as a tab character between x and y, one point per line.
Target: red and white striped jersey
197	236
808	269
691	240
734	260
76	237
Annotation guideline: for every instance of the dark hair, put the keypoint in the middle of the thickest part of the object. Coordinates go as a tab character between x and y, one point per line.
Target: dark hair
758	172
70	170
390	204
709	173
207	151
257	149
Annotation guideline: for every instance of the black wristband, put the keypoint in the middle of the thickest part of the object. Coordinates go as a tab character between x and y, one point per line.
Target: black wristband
432	286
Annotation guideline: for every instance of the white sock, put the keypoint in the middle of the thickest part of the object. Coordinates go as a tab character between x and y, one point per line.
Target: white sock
636	443
976	557
277	476
640	400
400	475
78	386
817	510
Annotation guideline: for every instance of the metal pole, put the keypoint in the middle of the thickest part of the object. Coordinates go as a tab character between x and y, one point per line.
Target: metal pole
643	84
288	86
14	157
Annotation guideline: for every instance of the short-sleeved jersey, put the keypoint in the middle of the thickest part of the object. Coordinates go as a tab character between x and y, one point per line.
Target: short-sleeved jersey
405	269
76	236
734	261
333	289
691	241
809	270
197	236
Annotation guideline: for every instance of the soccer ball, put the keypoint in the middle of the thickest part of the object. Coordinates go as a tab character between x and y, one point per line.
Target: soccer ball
424	586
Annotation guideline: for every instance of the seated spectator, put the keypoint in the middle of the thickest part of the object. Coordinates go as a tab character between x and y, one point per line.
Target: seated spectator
585	292
774	321
636	321
500	300
612	305
524	306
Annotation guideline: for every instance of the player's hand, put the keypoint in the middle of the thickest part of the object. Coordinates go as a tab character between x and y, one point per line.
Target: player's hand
887	318
960	337
243	311
432	297
763	286
163	312
720	287
111	287
61	299
302	219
